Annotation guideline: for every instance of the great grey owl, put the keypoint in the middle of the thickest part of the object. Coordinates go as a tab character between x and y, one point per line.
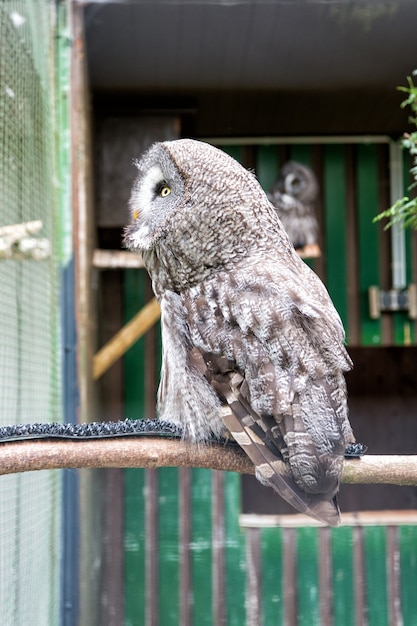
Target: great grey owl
252	344
293	196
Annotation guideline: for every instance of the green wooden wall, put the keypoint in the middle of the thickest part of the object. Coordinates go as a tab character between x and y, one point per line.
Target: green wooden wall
187	559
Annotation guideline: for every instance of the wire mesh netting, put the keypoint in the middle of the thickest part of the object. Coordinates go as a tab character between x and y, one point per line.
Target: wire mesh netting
30	388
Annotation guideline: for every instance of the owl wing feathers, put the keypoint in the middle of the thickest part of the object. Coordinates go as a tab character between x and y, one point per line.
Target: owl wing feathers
261	439
275	357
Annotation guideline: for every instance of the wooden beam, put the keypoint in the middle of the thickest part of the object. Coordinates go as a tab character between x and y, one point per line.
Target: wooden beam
116	259
126	337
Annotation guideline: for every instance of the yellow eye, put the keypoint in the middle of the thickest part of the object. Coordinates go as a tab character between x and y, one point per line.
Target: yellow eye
135	214
165	191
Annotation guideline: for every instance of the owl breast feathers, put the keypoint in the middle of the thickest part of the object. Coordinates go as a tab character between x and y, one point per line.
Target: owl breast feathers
252	344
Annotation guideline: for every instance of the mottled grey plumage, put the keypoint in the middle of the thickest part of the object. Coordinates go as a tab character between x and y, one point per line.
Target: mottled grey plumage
293	196
251	341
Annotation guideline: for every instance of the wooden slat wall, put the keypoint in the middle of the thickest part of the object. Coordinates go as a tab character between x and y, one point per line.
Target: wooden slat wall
294	577
187	560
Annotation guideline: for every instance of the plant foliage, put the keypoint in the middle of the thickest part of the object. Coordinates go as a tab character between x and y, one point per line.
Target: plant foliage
404	210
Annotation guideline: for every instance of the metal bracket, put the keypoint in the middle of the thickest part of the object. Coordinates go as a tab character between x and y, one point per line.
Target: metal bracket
392	301
17	242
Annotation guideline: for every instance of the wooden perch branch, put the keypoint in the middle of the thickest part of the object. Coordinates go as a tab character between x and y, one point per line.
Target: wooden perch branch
150	452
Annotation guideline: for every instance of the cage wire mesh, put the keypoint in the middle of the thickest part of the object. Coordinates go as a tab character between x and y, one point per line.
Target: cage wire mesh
30	388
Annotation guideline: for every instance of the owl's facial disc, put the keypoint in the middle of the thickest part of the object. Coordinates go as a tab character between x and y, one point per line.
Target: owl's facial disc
292	184
150	187
153	198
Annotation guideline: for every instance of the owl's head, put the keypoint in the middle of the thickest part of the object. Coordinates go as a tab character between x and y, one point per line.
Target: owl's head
298	181
158	192
190	191
195	211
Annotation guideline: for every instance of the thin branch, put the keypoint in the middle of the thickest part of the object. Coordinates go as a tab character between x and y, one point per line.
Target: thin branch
151	452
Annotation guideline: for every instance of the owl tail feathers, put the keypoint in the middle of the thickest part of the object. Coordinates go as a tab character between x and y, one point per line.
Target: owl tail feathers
245	425
326	511
250	432
268	470
316	506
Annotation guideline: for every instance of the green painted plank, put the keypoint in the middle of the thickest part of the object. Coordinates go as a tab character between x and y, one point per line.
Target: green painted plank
134	479
408	573
376	575
63	215
367	203
233	151
201	552
308	577
235	553
404	328
272	591
343	576
408	334
168	546
267	166
301	153
407	181
134	547
134	359
334	197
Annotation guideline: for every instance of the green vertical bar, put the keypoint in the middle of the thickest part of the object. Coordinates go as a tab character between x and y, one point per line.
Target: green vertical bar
134	547
235	553
267	166
408	335
134	513
343	573
408	574
63	215
234	151
134	359
201	552
367	201
168	546
301	153
272	598
334	195
376	575
307	577
403	329
410	278
404	333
